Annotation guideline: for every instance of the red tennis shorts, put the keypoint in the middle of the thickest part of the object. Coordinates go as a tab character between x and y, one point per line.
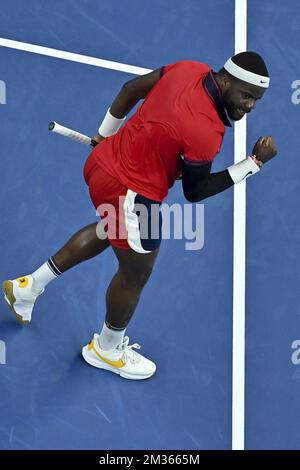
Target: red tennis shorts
130	220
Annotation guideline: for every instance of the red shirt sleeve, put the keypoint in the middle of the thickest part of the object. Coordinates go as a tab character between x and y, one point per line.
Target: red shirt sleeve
181	64
167	68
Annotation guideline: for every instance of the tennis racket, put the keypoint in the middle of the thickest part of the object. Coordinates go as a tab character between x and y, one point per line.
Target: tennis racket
74	135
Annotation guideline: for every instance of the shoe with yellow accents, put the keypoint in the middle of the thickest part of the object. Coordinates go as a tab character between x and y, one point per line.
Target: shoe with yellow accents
20	297
122	360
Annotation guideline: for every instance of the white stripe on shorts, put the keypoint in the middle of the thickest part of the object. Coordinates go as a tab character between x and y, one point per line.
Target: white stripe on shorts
132	223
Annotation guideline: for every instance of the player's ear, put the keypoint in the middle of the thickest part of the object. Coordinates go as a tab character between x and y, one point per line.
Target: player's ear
226	81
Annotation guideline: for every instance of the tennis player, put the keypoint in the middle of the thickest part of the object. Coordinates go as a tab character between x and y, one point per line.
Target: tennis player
175	133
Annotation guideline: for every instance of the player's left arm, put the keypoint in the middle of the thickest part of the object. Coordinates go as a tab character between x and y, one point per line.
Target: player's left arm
199	183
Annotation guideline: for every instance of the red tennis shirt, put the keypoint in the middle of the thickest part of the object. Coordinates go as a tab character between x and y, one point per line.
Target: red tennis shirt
183	115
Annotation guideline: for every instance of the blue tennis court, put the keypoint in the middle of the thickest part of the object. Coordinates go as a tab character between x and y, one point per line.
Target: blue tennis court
50	398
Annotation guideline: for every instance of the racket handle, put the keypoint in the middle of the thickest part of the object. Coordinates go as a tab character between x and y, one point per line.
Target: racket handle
74	135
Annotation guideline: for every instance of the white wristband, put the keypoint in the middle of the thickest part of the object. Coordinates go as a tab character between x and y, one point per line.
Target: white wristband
110	125
241	170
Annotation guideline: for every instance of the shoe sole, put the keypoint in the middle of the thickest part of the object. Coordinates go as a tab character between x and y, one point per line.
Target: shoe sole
103	365
10	300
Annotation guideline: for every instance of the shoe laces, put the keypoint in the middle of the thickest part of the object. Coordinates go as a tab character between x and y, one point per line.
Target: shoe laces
128	353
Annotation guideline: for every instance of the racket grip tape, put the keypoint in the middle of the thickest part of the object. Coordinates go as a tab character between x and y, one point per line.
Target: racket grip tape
74	135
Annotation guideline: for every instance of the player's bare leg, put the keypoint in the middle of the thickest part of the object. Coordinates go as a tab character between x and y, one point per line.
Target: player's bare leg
21	293
124	291
110	350
83	245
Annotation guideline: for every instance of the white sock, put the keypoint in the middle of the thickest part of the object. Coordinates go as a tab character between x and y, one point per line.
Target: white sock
110	338
43	275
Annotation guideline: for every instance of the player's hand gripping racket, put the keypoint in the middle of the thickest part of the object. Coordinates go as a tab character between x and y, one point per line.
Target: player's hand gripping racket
66	132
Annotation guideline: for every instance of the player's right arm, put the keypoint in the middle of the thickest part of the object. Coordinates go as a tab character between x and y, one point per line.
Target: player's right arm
133	91
130	94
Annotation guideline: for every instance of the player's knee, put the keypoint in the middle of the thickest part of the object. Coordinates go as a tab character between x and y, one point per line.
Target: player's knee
136	279
144	276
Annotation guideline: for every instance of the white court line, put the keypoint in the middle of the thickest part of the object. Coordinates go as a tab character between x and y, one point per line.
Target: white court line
239	257
83	59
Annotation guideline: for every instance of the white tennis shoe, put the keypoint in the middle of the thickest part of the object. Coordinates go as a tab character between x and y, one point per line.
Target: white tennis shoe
20	297
122	360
